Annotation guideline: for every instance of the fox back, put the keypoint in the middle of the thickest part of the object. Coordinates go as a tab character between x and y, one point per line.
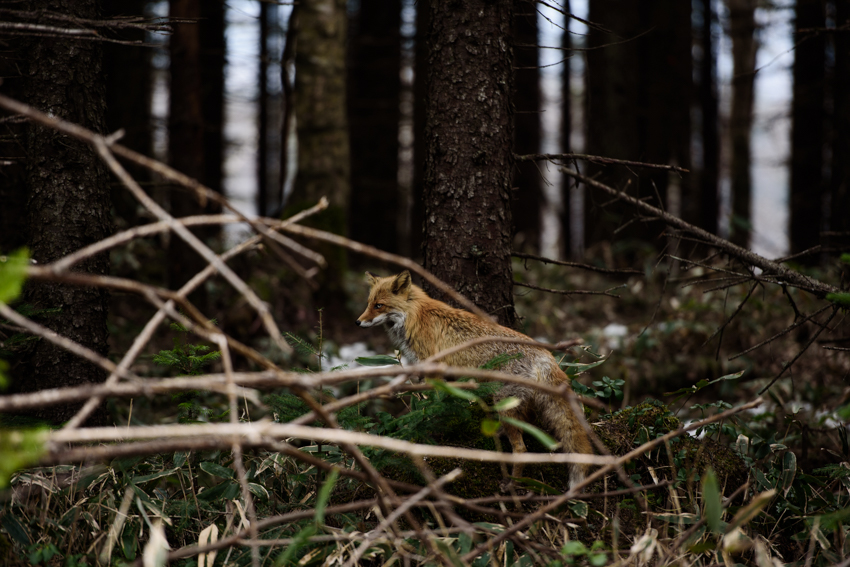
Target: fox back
421	327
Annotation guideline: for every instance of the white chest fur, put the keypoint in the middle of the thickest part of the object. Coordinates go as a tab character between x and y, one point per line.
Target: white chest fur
398	335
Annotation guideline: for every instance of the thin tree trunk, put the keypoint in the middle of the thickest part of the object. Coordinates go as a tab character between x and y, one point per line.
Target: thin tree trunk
566	131
420	95
69	204
14	232
807	133
324	158
127	71
527	182
708	204
469	164
612	107
839	222
744	46
263	114
185	135
212	61
374	89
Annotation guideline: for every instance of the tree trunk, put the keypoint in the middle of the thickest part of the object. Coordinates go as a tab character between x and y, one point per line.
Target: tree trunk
527	181
469	164
13	188
566	130
68	202
127	71
707	201
324	163
213	49
612	111
638	98
420	149
186	137
263	181
374	89
839	222
744	46
807	135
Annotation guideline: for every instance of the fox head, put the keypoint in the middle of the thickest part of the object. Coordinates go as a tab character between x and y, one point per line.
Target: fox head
387	300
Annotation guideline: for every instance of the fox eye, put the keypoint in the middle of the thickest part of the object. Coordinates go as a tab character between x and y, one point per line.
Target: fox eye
378	305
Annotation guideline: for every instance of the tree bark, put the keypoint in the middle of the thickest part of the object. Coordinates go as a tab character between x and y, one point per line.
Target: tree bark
68	202
612	109
744	46
469	164
638	100
527	182
263	181
374	89
127	70
320	110
213	49
13	188
707	200
186	137
324	158
807	132
566	131
839	221
420	149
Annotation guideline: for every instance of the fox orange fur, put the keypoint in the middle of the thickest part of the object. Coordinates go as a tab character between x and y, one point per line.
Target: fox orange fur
421	327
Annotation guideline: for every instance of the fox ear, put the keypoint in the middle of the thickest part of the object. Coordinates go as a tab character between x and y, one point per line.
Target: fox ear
401	283
371	278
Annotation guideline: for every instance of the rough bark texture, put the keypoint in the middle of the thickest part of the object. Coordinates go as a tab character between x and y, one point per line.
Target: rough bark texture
68	202
128	100
807	132
468	165
839	222
185	136
527	182
638	104
744	46
706	201
13	193
373	109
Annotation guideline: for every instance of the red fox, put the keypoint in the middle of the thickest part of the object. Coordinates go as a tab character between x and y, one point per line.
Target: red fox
420	327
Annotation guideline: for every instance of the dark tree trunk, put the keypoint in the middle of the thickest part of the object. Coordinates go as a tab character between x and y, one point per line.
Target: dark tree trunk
807	134
374	87
69	205
707	202
420	96
324	163
212	61
566	130
527	182
469	164
127	71
187	136
185	130
839	221
263	181
666	87
638	99
744	46
13	189
612	110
